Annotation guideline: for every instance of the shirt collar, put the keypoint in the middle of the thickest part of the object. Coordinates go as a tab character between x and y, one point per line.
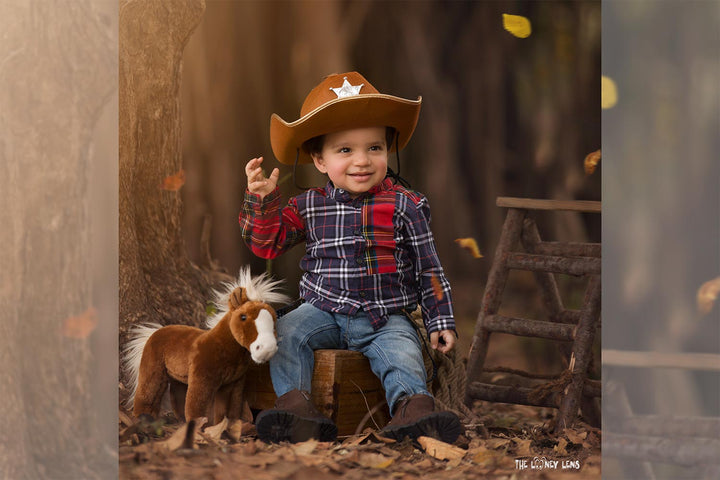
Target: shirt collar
340	195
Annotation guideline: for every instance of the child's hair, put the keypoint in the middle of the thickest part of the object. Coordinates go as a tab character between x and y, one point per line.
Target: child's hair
315	145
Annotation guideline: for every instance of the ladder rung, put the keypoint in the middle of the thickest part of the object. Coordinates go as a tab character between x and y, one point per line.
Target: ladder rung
509	394
568	249
529	328
521	395
554	264
589	206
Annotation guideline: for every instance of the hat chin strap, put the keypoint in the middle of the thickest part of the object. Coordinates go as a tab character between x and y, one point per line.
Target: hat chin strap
396	178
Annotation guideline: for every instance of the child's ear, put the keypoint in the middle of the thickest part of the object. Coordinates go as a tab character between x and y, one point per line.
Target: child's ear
319	162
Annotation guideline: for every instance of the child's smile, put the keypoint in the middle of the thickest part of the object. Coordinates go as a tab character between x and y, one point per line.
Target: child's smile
355	160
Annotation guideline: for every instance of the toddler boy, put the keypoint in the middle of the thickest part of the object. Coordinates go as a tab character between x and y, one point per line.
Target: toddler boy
369	257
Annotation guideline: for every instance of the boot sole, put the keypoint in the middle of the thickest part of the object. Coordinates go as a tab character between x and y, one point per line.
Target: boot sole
275	426
444	426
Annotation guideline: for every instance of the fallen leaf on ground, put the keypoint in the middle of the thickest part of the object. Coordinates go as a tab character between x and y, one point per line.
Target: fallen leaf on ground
424	463
560	447
305	448
440	450
496	443
82	325
470	245
707	295
591	161
483	456
173	183
311	473
374	460
517	25
124	418
216	431
575	436
523	449
181	437
370	436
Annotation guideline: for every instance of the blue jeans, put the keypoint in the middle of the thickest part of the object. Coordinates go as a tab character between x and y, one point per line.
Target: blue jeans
394	350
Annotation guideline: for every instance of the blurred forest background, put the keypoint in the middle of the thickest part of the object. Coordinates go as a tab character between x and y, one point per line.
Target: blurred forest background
501	116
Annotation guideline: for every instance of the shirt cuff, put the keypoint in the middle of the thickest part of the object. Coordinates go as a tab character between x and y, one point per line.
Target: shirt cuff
262	205
440	323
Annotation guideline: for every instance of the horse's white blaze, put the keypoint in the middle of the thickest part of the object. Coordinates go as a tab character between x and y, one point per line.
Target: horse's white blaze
265	345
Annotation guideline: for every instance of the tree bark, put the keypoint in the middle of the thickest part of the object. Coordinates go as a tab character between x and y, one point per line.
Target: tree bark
49	104
157	280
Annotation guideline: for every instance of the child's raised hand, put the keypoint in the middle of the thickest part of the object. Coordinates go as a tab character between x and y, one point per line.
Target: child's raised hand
257	183
447	343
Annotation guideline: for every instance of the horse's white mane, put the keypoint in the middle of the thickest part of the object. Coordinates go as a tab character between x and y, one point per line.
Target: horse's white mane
258	289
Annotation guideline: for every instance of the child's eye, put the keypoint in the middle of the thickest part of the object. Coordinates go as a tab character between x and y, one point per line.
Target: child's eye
344	150
377	148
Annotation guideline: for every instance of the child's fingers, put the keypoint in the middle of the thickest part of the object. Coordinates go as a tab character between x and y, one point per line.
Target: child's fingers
256	175
434	340
275	175
253	165
449	340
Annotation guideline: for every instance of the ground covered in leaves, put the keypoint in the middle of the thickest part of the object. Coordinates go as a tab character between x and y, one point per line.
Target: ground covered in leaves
509	441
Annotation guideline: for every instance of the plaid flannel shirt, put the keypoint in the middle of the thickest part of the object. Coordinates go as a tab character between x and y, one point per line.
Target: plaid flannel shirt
374	253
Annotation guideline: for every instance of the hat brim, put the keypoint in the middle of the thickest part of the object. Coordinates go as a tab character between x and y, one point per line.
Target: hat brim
370	110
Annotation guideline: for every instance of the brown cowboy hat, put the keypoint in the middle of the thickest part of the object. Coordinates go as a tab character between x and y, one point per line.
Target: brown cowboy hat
341	101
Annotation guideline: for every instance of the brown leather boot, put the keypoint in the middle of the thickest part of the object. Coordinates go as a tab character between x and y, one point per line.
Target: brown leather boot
294	419
415	416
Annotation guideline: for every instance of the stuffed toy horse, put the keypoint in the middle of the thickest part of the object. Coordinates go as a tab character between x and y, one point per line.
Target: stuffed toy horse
205	368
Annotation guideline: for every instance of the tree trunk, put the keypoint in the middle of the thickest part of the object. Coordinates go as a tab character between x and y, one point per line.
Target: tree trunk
158	282
49	104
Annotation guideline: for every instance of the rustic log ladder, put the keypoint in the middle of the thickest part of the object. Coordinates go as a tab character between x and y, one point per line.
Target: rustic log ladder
544	259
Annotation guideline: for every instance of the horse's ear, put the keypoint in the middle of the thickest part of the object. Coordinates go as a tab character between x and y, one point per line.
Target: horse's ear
237	298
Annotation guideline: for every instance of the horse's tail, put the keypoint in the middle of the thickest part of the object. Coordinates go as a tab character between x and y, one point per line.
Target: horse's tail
132	354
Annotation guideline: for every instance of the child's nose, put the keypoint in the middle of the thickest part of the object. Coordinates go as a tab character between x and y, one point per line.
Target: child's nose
362	158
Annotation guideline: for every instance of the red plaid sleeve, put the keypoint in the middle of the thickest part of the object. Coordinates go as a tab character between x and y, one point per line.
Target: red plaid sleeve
268	230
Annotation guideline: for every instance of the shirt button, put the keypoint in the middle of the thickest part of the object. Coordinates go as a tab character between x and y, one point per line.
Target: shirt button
358	233
362	294
360	261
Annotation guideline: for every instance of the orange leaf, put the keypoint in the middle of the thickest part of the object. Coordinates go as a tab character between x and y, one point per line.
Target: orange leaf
437	288
173	183
82	325
471	245
707	295
591	161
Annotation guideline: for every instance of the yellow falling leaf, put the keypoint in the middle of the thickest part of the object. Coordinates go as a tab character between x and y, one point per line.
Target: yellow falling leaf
82	325
707	295
471	245
174	182
591	161
608	92
437	288
517	25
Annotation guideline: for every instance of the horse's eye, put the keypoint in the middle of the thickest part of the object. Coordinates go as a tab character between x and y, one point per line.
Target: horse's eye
243	317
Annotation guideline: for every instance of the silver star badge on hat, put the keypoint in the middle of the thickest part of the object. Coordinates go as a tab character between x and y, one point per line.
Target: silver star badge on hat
347	90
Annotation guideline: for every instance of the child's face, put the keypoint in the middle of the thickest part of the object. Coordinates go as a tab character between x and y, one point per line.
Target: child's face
355	160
